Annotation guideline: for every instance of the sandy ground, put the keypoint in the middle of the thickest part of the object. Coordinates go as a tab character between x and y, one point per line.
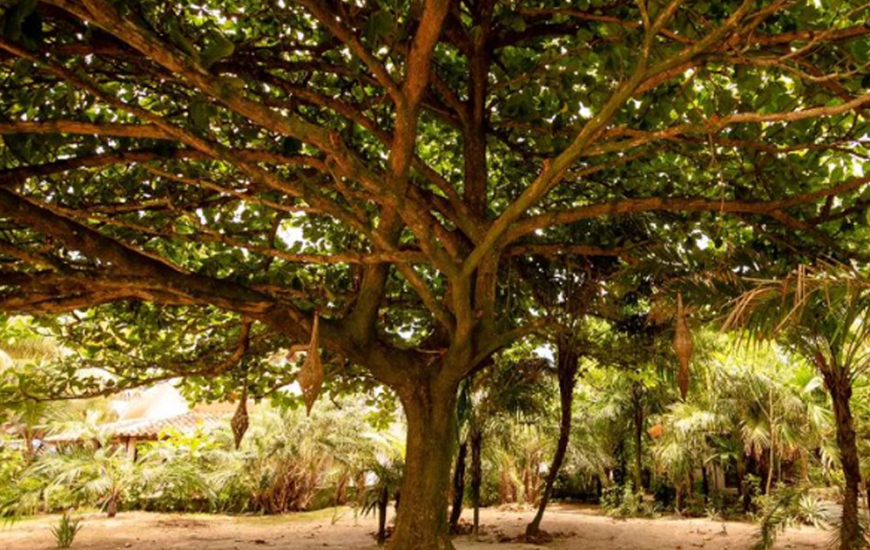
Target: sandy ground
573	527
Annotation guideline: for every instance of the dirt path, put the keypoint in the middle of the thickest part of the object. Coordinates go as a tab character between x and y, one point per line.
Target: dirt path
574	527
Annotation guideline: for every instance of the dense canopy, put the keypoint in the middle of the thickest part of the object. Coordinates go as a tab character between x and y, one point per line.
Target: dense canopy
189	187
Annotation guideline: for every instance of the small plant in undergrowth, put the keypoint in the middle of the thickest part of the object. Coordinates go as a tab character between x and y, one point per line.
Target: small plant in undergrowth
722	508
787	506
623	502
66	530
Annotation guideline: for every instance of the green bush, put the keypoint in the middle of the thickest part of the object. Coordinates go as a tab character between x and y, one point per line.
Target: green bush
287	462
623	502
786	506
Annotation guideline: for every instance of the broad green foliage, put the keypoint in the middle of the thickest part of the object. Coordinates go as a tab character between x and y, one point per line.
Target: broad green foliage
788	506
185	186
286	463
549	74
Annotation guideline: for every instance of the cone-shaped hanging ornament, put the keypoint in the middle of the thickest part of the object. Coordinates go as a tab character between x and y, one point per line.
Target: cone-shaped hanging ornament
683	347
311	375
239	422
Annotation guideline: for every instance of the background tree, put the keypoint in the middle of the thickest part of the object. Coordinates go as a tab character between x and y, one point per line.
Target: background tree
513	386
822	315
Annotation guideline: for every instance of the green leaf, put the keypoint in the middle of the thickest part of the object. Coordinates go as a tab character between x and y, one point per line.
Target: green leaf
518	24
31	31
26	7
234	82
71	98
379	24
178	39
200	114
291	146
220	47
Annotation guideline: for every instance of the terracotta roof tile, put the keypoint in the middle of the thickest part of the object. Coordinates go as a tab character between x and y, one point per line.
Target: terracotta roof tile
152	428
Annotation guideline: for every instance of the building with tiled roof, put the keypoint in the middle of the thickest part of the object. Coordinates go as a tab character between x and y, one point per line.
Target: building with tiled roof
152	414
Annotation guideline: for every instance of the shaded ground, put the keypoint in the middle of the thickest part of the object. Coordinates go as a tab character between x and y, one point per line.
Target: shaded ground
575	528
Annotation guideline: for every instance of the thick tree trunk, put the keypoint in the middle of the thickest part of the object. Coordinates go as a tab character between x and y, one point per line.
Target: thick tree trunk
422	519
458	487
567	377
476	476
840	389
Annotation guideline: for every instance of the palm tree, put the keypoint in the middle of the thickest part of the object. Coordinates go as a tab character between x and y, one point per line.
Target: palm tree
95	472
513	385
385	461
822	314
567	366
286	458
21	349
683	445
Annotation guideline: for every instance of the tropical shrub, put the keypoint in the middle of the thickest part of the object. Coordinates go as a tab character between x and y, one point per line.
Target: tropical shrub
66	530
624	502
786	506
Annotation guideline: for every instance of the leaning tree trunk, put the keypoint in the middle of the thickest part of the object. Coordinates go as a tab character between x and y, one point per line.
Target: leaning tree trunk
840	387
476	475
567	369
458	487
421	521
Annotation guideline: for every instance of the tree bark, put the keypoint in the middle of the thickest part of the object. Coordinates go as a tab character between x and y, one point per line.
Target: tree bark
112	507
458	487
705	482
422	519
638	440
476	475
745	497
383	502
772	454
840	387
567	369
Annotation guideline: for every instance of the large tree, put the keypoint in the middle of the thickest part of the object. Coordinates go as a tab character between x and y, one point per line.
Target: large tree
161	159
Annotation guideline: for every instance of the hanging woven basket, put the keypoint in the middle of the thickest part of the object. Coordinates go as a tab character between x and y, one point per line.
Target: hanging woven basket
240	421
311	375
683	347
